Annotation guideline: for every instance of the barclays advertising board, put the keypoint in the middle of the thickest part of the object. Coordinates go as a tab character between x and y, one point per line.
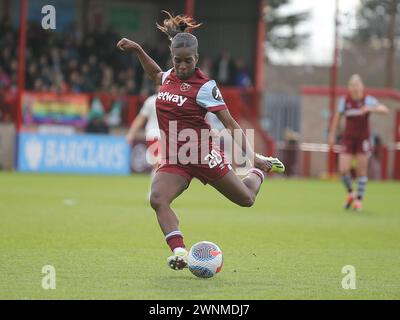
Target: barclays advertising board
80	153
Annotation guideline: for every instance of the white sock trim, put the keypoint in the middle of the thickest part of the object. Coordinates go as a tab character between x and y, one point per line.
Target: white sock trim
173	233
180	250
261	174
363	179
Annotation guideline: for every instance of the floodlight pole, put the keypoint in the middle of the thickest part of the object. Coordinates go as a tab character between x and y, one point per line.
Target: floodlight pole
21	60
259	65
390	59
189	8
333	86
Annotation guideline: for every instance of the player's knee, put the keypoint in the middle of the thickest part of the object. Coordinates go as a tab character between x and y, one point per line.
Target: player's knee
157	201
361	173
247	201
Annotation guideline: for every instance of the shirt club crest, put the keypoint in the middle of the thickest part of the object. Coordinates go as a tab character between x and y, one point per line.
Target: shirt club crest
185	87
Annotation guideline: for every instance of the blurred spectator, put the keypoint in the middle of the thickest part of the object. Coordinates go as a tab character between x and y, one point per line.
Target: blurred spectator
87	81
5	80
131	88
96	107
97	125
225	69
76	82
242	76
32	75
114	117
89	62
96	121
107	79
207	66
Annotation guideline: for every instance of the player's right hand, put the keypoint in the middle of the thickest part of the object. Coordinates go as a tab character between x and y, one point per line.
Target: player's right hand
127	45
129	139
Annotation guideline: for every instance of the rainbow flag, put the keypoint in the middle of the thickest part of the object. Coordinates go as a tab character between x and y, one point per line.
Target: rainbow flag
53	108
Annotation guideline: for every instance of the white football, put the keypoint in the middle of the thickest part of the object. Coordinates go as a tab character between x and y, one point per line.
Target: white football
205	259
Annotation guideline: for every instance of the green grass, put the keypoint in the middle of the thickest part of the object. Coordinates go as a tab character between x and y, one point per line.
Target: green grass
104	241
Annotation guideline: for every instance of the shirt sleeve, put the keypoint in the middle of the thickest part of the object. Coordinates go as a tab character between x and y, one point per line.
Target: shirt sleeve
341	107
148	105
371	102
165	75
210	98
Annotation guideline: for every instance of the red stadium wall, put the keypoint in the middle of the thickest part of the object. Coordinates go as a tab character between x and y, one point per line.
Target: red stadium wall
397	151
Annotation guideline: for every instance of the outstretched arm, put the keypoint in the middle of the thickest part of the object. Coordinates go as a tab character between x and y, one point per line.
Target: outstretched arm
333	128
135	126
225	117
380	108
151	68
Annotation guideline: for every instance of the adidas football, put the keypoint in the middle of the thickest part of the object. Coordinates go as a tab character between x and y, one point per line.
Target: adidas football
205	259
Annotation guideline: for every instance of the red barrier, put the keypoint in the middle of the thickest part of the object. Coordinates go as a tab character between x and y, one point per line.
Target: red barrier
332	159
396	168
325	91
384	162
306	164
397	165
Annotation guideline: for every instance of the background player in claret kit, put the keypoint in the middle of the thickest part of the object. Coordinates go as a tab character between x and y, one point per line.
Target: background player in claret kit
185	96
147	115
355	143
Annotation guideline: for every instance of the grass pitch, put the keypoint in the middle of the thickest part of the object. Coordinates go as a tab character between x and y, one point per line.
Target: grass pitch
103	239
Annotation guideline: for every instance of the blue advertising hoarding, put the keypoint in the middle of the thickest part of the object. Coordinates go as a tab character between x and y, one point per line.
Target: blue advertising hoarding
79	153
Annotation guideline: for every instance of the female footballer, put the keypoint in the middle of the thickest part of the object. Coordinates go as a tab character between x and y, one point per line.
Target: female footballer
355	143
186	95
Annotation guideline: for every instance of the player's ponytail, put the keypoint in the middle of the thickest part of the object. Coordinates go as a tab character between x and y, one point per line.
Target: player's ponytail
177	24
177	29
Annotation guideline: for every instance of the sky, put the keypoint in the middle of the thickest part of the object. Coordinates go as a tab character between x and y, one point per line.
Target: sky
319	49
